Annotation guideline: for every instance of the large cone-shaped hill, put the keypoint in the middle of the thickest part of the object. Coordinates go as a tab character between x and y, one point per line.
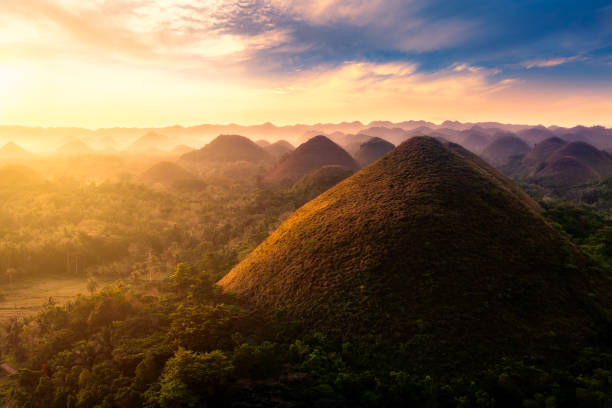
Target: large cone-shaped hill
372	150
428	241
229	149
316	152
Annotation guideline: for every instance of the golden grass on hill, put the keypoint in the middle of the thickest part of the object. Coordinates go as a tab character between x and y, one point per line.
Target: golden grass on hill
430	240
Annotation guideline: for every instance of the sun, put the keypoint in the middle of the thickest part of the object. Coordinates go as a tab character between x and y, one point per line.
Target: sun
10	78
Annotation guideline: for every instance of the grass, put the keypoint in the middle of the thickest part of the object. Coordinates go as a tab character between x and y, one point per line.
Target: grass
27	297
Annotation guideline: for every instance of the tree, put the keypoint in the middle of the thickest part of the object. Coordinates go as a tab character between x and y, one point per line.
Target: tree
193	379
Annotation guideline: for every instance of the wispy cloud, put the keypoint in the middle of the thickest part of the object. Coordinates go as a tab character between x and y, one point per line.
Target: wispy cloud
551	62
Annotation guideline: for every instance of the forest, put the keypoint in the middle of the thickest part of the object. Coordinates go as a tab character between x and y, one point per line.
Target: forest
156	331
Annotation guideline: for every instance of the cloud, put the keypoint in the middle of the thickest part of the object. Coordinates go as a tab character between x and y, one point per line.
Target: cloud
552	62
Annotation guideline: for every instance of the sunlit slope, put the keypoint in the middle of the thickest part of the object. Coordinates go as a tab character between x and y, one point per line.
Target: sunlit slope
428	240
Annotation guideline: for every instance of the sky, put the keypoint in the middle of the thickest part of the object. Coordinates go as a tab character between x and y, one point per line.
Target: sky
104	63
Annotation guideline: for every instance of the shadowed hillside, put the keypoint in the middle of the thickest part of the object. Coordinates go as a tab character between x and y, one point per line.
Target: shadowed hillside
317	152
598	160
319	181
429	245
503	149
566	171
372	150
543	150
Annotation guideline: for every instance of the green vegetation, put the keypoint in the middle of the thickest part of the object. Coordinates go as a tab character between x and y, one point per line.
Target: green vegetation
154	330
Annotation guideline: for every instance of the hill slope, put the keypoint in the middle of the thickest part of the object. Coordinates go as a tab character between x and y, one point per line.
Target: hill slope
372	150
75	147
543	150
598	160
280	148
316	152
428	243
228	149
504	148
11	150
166	174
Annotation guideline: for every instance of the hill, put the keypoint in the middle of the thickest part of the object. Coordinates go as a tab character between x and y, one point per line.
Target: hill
543	150
263	143
166	174
280	148
11	150
598	160
430	246
500	151
319	181
182	149
317	152
228	149
372	150
75	147
150	142
566	171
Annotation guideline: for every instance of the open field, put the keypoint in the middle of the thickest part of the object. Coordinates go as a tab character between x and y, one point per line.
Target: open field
27	296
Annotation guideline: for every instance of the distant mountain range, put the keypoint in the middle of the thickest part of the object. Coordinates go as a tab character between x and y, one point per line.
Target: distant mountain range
470	135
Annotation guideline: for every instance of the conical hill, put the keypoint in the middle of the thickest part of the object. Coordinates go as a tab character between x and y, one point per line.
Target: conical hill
428	241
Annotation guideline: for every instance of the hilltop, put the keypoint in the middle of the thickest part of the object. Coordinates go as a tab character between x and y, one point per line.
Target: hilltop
432	246
372	150
280	148
228	149
316	152
150	142
11	150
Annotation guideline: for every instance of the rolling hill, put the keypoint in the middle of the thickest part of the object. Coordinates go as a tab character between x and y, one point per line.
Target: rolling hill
11	150
543	150
280	148
316	152
501	150
431	246
372	150
150	142
229	149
